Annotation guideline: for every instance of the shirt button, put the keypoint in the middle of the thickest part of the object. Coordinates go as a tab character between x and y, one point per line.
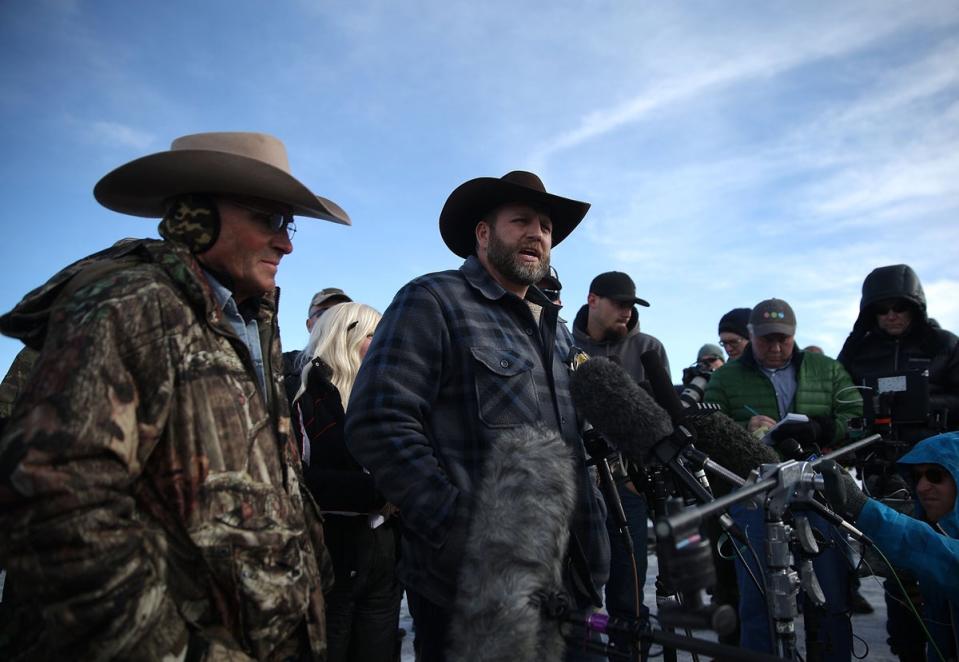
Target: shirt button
504	363
529	332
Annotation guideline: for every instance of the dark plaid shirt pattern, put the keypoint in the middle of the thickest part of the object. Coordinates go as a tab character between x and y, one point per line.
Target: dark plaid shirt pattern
456	360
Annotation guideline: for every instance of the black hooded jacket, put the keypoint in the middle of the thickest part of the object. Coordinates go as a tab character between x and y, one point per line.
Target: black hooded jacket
924	347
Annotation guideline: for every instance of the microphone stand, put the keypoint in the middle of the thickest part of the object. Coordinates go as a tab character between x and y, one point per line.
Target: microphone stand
575	622
666	597
784	483
599	451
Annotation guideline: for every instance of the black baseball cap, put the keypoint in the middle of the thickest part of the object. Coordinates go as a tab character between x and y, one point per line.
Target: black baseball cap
617	286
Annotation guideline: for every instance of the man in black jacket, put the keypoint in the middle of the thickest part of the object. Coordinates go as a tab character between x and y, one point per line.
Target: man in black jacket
894	335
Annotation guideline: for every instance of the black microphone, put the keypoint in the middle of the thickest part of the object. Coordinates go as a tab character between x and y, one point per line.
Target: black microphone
727	442
717	435
662	387
512	571
614	404
642	430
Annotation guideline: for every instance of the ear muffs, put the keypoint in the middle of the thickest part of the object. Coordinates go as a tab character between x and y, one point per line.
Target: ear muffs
192	220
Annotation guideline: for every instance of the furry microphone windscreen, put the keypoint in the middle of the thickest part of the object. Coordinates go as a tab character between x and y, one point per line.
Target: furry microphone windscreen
728	444
514	552
614	404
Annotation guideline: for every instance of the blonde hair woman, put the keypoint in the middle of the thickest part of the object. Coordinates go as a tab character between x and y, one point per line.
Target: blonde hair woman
362	610
340	339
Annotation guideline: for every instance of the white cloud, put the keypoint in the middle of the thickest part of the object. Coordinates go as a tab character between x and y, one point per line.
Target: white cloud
729	57
942	302
120	135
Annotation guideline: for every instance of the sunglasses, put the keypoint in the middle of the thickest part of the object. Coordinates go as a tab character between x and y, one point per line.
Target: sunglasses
552	295
897	307
276	221
934	475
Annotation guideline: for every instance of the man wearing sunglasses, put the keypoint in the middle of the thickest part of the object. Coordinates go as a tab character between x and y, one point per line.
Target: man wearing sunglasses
928	544
894	335
551	287
150	493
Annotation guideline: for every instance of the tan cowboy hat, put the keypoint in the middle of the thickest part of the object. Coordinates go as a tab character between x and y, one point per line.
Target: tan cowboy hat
239	163
471	200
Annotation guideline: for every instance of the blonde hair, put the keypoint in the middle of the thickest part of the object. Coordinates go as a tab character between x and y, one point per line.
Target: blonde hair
335	339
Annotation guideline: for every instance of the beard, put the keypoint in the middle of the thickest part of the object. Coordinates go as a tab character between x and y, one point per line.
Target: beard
615	333
503	257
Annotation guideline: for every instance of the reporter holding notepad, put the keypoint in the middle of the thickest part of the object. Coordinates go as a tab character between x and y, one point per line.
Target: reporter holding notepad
770	380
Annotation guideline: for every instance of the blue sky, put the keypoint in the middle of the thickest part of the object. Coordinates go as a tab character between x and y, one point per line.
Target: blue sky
732	151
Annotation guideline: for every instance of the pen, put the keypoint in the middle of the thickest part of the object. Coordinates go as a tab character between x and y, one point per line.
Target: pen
751	410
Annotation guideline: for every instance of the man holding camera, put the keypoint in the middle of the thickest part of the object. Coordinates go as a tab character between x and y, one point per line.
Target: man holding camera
894	335
608	325
773	378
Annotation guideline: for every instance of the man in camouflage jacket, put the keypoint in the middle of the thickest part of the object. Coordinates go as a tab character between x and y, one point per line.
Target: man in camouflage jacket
150	492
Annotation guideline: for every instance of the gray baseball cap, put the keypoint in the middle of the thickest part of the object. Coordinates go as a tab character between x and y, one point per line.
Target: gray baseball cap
772	316
326	294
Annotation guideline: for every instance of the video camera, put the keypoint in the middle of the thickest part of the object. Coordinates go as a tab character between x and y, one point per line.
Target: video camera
895	405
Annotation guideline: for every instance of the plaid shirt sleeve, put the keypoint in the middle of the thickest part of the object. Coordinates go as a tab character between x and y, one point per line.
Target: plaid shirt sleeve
389	408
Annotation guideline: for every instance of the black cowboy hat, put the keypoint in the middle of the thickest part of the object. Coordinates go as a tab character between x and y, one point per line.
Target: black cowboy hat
470	201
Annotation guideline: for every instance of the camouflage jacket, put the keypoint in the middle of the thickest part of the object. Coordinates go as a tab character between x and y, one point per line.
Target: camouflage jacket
151	496
15	379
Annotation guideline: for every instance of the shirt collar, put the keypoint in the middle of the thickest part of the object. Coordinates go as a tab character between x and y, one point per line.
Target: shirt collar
221	293
772	371
224	296
477	276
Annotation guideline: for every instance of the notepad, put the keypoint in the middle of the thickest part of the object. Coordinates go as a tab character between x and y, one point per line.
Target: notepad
788	418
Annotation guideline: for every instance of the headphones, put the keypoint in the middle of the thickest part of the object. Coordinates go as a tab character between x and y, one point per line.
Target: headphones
192	220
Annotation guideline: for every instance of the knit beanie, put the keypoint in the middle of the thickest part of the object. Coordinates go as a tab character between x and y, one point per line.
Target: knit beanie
735	321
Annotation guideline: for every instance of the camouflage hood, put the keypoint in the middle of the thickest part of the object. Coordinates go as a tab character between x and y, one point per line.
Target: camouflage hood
30	319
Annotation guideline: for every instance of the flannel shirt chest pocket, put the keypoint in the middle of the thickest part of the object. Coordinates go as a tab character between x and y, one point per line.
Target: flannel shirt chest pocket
505	390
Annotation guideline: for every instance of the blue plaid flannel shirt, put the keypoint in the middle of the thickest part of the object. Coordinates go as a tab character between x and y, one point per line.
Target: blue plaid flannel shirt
454	361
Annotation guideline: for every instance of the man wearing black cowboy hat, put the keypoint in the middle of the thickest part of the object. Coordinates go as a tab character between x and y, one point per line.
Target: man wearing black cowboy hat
460	358
150	491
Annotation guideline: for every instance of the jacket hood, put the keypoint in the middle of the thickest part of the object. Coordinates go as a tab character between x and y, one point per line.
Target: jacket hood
582	317
897	281
30	319
942	449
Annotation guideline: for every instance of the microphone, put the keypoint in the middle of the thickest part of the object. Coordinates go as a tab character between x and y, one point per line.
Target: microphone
614	404
725	441
717	435
512	571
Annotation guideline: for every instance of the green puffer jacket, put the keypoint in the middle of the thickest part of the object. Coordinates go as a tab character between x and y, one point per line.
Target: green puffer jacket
824	389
